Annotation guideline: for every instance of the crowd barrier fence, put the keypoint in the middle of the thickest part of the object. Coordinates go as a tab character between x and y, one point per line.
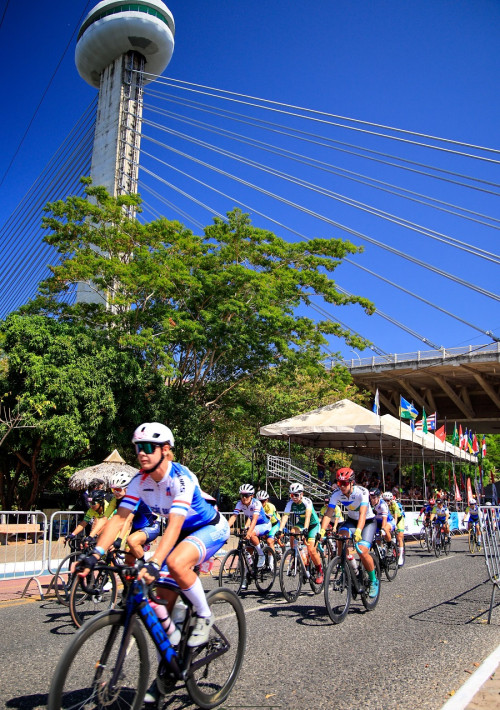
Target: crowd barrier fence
23	545
490	531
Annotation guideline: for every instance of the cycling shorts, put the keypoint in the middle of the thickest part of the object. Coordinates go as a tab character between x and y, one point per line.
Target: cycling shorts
207	540
262	529
151	531
400	525
311	535
392	524
274	530
367	534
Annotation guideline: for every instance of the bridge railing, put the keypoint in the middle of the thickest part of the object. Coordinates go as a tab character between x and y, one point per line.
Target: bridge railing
423	355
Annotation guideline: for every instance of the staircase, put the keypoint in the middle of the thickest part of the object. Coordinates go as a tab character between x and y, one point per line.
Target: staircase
280	472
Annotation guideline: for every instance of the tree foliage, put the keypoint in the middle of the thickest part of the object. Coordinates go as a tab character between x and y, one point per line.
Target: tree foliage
207	332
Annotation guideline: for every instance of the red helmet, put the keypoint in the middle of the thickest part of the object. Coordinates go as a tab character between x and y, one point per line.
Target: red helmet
345	475
432	501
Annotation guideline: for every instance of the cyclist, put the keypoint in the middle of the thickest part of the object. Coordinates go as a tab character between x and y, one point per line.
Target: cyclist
307	520
440	515
360	522
473	511
272	514
398	513
426	511
195	530
385	521
337	516
141	526
257	523
98	514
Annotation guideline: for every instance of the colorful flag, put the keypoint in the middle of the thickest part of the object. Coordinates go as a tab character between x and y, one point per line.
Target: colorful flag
483	447
454	438
376	403
458	497
469	492
432	421
470	448
421	424
406	410
475	446
441	433
460	438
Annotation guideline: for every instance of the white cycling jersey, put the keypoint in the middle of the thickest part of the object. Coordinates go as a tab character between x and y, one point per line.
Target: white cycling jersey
255	506
357	499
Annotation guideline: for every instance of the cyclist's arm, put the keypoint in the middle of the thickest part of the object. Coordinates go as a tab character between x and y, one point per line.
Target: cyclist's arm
108	534
362	516
127	526
307	518
283	521
99	525
327	518
231	521
169	538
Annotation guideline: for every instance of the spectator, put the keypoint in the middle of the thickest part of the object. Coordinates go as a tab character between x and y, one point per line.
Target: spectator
321	465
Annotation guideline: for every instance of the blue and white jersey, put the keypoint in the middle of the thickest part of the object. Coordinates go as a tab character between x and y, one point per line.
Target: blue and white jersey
381	511
354	502
143	516
178	492
440	513
255	506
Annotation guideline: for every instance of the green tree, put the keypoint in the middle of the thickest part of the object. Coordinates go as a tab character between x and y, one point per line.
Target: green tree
84	396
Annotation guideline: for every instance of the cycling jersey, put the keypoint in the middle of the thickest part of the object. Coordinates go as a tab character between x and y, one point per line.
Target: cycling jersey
397	510
178	492
255	506
109	510
337	514
357	499
442	514
473	511
143	516
271	512
381	511
426	510
300	510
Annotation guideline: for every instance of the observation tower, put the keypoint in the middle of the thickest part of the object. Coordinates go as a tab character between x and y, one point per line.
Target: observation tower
117	43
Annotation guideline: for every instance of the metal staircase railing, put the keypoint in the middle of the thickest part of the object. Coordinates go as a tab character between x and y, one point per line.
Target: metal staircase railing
281	470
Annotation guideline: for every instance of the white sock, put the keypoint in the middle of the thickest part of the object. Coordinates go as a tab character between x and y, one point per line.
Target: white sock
259	549
197	597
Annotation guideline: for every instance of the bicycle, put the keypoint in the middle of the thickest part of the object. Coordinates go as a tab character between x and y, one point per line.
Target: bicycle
425	538
345	578
239	565
440	541
387	555
106	665
63	578
101	593
474	543
297	568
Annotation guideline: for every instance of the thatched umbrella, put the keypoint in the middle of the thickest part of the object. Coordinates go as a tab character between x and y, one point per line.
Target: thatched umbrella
103	471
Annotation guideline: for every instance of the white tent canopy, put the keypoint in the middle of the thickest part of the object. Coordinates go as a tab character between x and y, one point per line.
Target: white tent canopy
356	430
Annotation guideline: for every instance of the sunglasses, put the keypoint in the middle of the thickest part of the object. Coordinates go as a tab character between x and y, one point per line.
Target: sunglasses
146	446
295	495
115	488
245	495
343	485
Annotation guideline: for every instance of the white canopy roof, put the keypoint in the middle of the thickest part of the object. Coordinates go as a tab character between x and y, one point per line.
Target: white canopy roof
356	430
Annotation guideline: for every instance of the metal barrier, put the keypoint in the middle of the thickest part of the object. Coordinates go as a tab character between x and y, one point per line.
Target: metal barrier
61	523
489	521
23	537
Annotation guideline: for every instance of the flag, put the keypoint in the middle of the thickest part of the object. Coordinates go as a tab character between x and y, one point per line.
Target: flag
470	448
469	492
483	447
458	497
412	424
432	421
406	410
441	433
454	438
376	403
460	438
475	446
421	424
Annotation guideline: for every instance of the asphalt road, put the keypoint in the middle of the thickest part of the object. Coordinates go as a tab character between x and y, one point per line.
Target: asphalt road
424	639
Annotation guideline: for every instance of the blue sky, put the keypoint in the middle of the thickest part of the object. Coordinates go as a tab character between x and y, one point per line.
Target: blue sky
430	66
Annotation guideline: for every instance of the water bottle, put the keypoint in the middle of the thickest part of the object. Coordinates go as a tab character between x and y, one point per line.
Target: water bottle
173	633
179	612
353	563
304	553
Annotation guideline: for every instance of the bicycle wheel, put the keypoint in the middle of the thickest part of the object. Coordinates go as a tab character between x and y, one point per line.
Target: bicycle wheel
337	590
472	541
63	579
437	544
290	575
317	588
231	571
446	544
423	537
428	540
265	576
214	667
83	605
82	676
391	562
370	602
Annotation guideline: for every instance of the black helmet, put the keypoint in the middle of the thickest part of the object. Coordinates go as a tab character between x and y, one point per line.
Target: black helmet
97	496
375	492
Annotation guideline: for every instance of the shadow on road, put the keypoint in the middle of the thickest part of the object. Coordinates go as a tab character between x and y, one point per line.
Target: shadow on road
472	606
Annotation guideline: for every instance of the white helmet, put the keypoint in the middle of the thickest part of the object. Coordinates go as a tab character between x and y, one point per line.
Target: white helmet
120	479
387	496
296	488
473	501
262	495
154	432
247	488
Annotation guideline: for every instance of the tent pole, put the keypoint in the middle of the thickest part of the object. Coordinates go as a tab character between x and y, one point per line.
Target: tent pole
423	473
399	482
381	456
